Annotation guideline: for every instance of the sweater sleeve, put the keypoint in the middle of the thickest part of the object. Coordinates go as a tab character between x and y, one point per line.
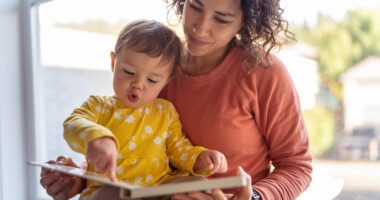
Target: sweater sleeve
279	117
181	152
82	127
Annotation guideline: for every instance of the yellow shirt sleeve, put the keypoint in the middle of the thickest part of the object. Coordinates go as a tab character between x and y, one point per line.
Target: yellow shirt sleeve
181	152
82	127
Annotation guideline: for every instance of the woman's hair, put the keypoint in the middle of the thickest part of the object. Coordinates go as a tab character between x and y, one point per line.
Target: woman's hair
260	33
152	38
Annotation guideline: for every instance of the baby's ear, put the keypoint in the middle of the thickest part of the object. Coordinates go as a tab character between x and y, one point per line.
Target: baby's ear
113	60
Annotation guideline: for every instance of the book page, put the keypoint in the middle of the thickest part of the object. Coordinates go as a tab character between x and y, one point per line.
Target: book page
132	191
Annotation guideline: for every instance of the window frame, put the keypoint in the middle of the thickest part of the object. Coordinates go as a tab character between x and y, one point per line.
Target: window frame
33	117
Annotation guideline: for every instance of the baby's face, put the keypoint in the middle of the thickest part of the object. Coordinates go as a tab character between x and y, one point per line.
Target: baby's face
138	78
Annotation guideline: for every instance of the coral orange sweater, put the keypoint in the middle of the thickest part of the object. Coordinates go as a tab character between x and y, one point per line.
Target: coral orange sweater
253	118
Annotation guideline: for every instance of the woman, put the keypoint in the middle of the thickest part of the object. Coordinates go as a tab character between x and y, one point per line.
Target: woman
234	96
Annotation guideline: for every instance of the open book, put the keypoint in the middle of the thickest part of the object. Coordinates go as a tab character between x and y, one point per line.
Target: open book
132	191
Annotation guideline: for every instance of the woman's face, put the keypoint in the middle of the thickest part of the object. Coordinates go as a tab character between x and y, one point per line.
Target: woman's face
209	25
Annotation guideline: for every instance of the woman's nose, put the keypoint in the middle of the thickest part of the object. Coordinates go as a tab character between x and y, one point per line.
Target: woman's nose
201	27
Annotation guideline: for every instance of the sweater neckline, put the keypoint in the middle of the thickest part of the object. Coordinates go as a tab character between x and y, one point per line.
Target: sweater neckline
213	74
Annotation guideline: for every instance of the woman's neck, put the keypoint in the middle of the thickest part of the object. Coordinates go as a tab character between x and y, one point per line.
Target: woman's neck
200	65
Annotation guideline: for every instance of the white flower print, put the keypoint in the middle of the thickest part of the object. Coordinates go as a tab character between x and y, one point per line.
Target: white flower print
193	157
117	115
140	110
138	181
170	121
148	129
120	170
179	143
147	111
183	157
160	107
130	119
157	140
83	135
132	146
149	178
165	135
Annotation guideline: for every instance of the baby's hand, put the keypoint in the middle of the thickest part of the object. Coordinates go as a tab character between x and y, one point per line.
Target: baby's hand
102	153
211	161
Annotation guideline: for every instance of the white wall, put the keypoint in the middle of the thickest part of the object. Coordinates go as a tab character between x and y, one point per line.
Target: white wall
13	169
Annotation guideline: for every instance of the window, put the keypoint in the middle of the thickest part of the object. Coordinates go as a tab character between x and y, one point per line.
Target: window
72	40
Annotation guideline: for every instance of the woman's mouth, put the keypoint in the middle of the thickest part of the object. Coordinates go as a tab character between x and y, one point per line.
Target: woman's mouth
195	42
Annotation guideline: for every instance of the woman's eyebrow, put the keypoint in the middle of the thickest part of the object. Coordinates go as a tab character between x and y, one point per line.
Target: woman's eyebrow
223	14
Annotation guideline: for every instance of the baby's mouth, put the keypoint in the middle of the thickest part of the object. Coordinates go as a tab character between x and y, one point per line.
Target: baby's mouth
133	98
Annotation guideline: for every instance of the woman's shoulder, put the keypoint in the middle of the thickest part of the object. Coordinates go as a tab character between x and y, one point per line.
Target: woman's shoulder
273	68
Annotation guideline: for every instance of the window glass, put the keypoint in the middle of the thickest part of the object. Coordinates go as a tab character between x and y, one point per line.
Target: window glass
334	65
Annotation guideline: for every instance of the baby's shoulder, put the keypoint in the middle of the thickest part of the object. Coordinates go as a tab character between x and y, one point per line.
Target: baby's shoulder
163	104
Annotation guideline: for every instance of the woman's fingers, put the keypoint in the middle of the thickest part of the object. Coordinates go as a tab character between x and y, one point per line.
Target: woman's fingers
200	196
218	194
181	197
63	185
245	193
65	193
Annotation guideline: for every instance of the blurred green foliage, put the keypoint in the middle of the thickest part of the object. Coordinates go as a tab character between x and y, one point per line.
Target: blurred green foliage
342	44
320	123
339	46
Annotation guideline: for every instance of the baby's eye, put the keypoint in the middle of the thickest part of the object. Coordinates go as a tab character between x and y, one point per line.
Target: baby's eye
129	72
152	81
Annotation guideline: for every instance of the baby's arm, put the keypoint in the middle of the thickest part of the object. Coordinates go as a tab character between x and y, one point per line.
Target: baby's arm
85	135
210	162
102	154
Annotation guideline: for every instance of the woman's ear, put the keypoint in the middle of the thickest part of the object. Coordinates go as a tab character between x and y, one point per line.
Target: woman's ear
113	60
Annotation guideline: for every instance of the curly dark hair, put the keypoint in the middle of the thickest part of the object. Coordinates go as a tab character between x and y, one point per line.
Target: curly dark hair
261	30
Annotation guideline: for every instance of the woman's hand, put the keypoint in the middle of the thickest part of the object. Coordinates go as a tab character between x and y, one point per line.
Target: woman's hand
61	186
245	193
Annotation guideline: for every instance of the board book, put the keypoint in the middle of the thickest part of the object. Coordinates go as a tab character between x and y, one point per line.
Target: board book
129	191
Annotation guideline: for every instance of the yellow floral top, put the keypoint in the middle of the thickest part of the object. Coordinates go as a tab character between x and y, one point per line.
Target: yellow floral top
148	139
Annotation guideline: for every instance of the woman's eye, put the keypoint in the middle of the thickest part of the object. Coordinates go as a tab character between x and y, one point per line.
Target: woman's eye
129	73
195	8
222	21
